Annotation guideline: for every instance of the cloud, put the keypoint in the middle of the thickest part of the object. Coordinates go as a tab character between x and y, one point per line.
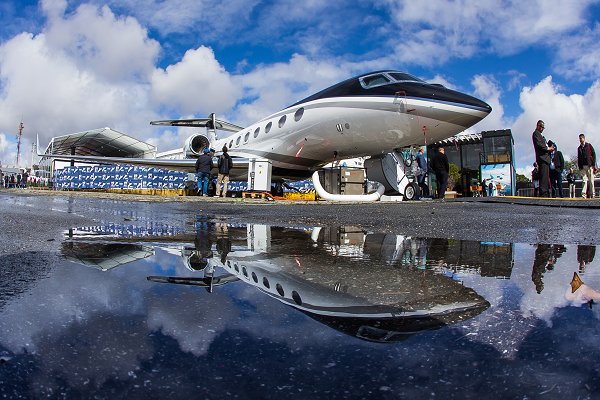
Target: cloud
565	116
113	48
578	56
436	31
198	83
488	89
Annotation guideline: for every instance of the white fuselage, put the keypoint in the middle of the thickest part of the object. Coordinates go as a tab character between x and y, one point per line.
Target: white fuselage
349	126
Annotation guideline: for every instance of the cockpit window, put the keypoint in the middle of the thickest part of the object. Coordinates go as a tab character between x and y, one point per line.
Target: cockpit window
387	78
374	80
403	76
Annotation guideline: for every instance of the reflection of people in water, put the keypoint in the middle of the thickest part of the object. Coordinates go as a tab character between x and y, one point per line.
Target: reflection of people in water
545	258
580	293
223	242
585	255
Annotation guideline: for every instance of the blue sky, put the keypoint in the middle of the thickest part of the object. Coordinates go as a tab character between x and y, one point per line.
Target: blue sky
70	66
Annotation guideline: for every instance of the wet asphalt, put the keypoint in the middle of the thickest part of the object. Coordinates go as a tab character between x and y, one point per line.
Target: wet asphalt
510	220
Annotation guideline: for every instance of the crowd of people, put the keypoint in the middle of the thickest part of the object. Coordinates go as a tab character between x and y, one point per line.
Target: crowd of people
14	180
547	175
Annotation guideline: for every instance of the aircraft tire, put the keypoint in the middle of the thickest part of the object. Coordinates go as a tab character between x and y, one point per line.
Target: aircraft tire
411	191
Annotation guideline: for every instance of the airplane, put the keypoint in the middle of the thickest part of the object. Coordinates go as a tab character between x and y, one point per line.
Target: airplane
385	296
376	115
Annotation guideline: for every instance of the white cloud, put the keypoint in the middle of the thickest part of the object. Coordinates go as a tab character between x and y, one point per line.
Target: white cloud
198	83
113	48
488	89
579	55
565	117
438	30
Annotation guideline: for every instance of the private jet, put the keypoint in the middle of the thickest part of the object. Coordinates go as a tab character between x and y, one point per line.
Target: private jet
378	115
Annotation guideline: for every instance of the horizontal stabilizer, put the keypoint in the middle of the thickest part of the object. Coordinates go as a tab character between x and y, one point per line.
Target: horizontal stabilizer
198	123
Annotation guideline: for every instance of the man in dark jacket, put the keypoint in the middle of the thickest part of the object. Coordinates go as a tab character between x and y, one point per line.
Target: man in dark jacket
225	164
586	160
203	166
441	167
557	164
422	163
542	157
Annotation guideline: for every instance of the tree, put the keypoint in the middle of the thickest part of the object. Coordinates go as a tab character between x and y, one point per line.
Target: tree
453	176
572	163
522	178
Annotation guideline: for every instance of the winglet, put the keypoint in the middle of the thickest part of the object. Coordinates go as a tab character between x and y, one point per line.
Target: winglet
576	283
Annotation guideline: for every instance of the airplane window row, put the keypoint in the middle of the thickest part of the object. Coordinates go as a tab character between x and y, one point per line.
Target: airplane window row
295	295
380	79
297	117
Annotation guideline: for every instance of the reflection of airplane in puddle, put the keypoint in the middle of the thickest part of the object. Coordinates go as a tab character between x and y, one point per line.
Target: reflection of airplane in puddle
376	115
374	287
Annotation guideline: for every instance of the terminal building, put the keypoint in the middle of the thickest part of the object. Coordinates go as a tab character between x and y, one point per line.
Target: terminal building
485	158
482	157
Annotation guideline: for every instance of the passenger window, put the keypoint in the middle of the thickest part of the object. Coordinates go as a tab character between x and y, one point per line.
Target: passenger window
231	144
282	121
247	136
299	114
374	80
238	140
268	127
256	132
280	289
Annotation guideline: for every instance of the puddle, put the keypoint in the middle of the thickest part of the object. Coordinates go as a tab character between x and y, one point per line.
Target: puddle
263	311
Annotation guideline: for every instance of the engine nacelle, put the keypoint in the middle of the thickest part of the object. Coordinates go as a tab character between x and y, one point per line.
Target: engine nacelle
195	145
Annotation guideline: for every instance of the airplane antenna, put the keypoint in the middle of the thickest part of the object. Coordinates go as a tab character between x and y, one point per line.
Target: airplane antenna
19	141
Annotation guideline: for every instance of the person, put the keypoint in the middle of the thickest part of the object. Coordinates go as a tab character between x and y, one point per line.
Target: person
585	256
203	166
484	187
571	181
441	167
422	163
535	178
225	164
557	164
586	160
542	157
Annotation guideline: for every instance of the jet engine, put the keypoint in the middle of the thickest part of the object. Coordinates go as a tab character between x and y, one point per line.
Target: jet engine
195	145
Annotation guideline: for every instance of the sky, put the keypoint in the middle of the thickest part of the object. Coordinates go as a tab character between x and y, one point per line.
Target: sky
71	66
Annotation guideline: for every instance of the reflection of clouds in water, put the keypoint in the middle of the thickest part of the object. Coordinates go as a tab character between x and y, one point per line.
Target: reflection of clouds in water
71	294
556	281
516	305
191	317
89	352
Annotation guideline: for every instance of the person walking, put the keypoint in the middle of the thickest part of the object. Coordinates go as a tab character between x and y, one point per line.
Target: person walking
203	166
586	161
441	167
571	181
542	157
557	164
422	163
225	164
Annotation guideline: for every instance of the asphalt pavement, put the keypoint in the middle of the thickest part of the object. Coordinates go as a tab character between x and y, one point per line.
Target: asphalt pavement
35	216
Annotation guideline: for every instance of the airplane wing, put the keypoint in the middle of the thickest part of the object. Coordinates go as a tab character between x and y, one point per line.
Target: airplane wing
198	123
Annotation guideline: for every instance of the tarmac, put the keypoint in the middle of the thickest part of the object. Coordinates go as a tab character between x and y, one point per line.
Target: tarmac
499	219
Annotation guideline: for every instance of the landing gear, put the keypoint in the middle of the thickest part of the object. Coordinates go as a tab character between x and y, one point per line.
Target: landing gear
411	191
